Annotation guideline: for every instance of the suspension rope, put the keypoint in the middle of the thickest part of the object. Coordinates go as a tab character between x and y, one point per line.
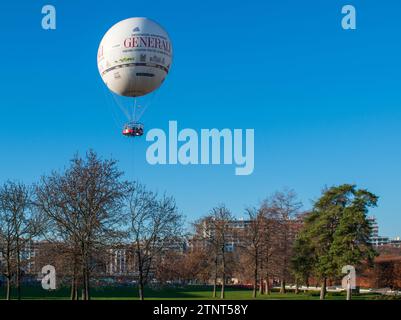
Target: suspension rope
152	98
120	106
108	96
134	114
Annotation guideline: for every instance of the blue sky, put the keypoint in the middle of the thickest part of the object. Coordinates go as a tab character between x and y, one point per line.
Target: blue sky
325	103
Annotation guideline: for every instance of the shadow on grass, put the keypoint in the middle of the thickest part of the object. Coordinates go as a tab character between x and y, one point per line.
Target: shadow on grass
194	292
121	292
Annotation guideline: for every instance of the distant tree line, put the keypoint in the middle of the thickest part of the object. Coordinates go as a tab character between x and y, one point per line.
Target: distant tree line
83	213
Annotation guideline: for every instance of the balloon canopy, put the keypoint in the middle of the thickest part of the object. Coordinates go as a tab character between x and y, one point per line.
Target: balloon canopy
134	57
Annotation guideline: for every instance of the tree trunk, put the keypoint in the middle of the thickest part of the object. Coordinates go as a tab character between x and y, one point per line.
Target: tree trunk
84	291
74	282
18	272
8	288
267	285
215	279
223	280
349	290
140	275
285	253
222	293
76	290
214	294
255	278
282	286
141	287
87	286
296	287
83	271
323	289
261	286
73	289
255	288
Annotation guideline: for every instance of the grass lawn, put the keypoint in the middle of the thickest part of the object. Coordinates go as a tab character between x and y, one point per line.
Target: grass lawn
184	293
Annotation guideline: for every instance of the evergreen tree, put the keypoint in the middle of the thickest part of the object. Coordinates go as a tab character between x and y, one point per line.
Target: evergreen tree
336	233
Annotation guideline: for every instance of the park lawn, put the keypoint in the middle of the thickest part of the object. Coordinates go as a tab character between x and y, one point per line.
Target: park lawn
174	293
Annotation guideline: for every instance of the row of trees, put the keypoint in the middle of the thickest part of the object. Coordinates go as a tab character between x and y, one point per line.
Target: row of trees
84	212
16	228
81	213
262	243
279	244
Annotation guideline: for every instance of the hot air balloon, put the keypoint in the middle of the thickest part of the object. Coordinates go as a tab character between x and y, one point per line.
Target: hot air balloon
134	58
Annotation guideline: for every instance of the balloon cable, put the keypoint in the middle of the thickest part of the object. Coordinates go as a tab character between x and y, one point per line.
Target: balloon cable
134	115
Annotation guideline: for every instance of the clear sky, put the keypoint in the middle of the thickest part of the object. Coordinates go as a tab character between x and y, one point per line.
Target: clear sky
325	103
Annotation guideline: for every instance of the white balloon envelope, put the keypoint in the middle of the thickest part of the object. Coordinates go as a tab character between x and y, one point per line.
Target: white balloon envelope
134	57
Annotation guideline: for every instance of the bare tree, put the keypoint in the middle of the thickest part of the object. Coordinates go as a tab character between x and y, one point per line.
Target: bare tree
83	206
18	225
217	233
269	247
282	207
7	245
62	257
252	243
153	223
195	265
166	270
207	240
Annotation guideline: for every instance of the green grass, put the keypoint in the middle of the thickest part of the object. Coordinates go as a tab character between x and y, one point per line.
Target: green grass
175	293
